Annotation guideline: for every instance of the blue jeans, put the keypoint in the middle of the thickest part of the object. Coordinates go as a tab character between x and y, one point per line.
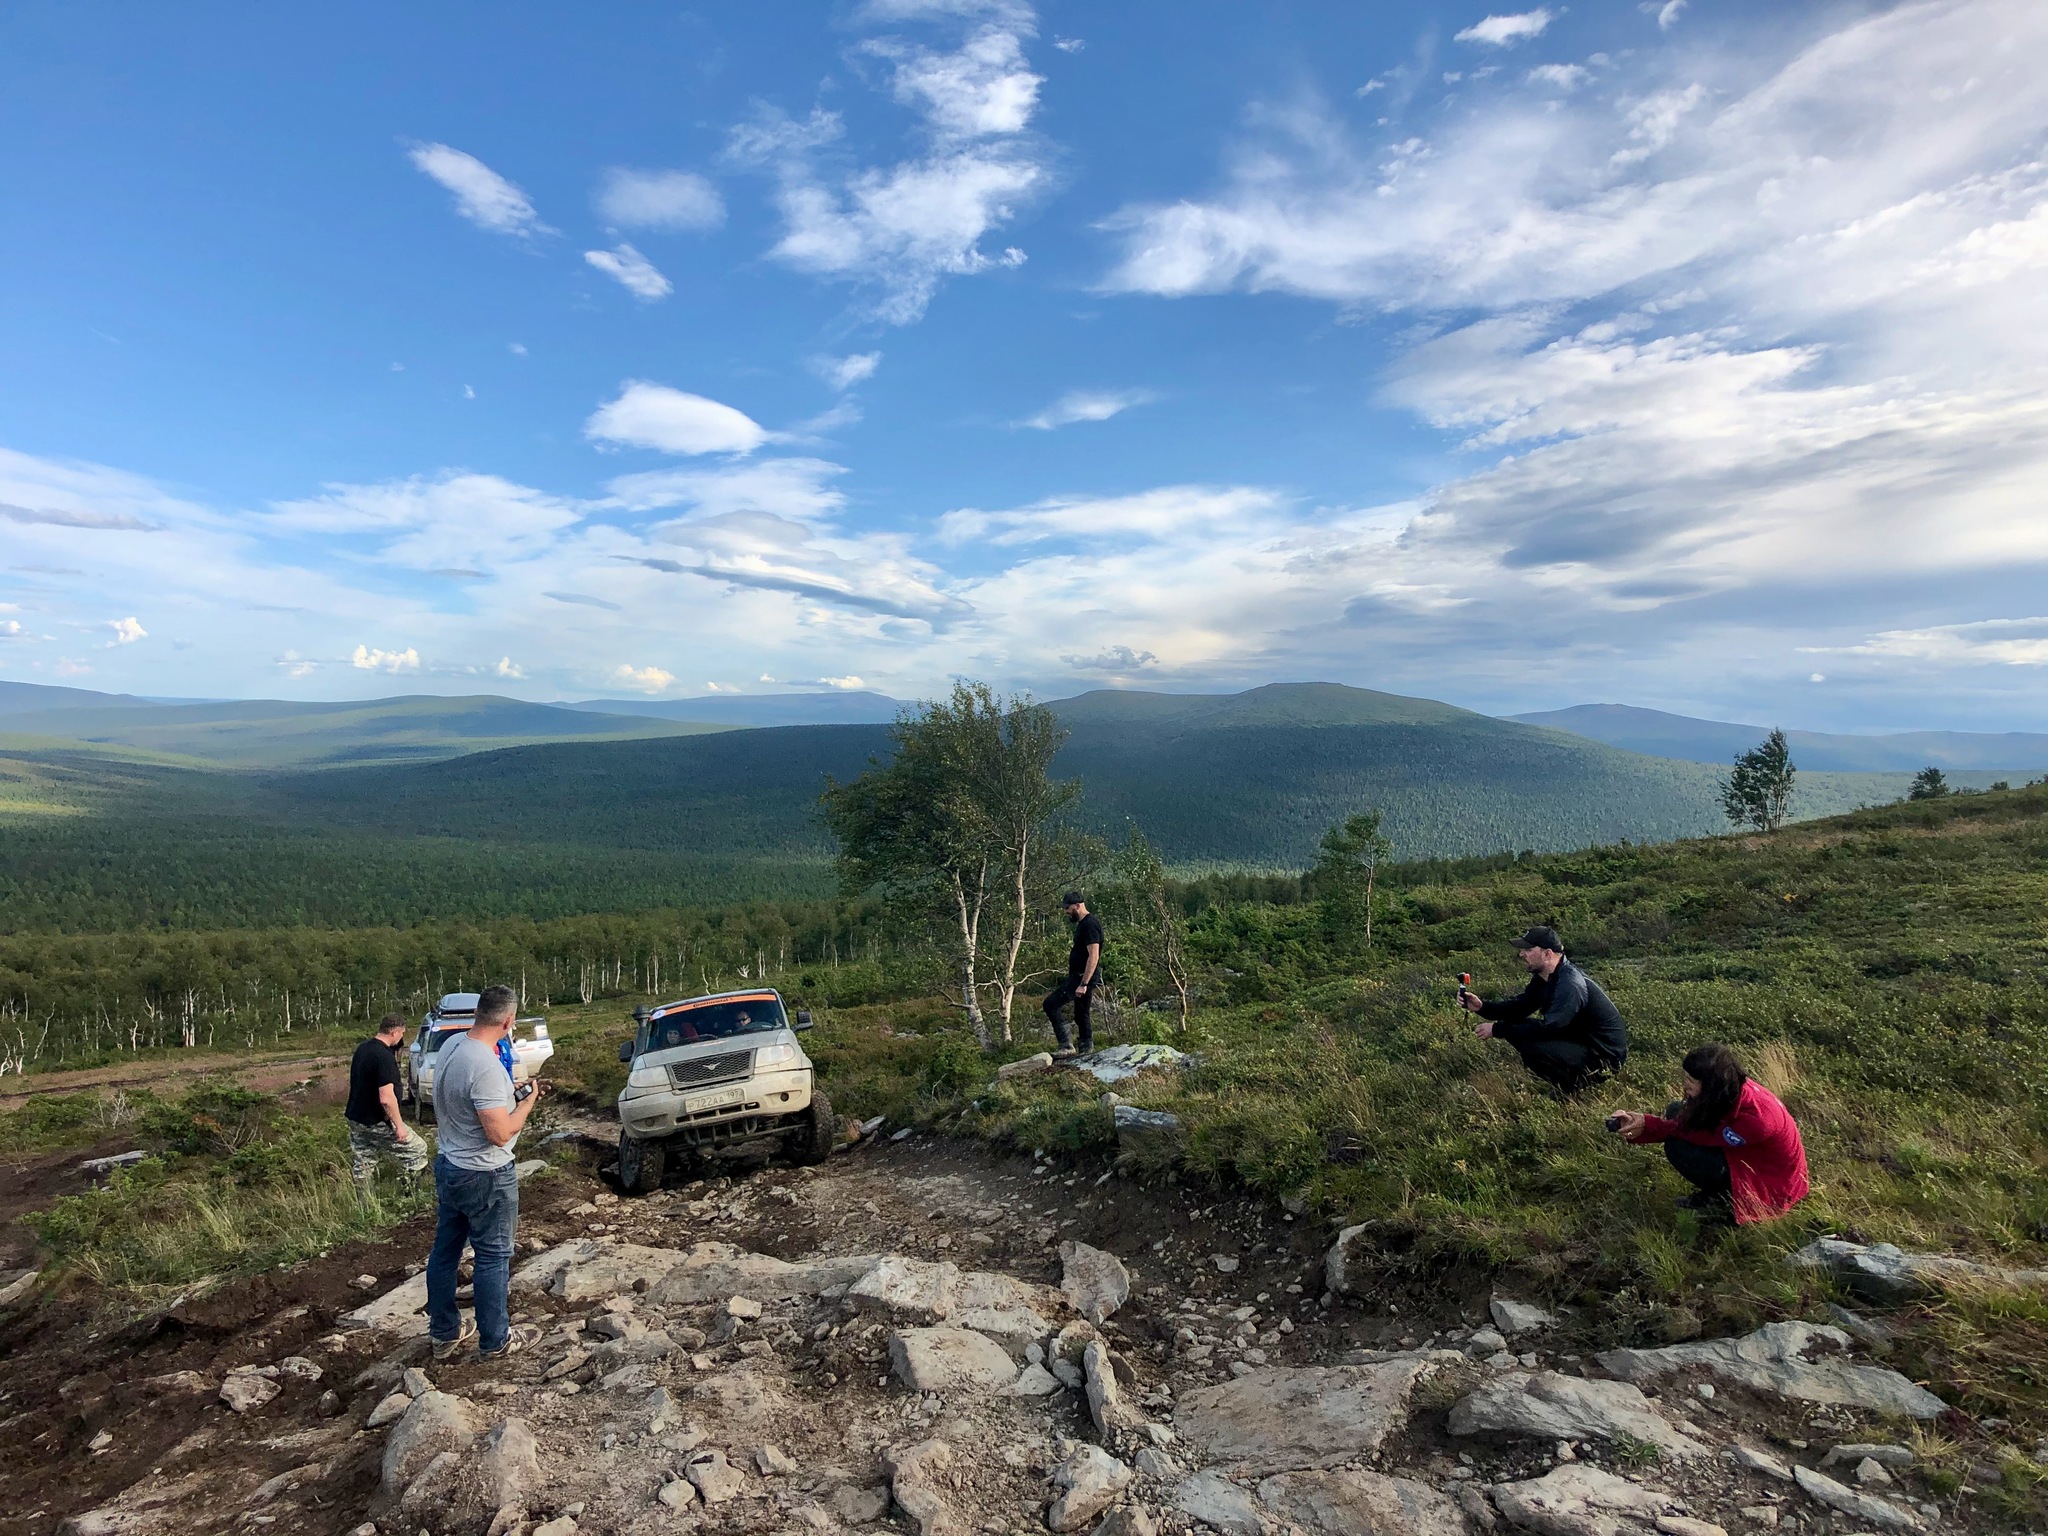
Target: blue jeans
479	1207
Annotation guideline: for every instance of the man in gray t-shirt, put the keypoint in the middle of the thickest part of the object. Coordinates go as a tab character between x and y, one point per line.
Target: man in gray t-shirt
476	1186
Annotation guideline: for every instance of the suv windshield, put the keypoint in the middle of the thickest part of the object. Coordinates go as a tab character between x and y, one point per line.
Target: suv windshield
714	1021
436	1038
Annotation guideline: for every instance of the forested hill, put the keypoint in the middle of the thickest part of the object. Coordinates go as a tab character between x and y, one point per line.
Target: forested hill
88	842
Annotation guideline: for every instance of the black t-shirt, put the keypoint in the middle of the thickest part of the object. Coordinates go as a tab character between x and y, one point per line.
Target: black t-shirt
373	1066
1087	931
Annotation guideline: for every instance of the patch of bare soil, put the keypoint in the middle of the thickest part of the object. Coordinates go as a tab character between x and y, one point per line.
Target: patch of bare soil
171	1074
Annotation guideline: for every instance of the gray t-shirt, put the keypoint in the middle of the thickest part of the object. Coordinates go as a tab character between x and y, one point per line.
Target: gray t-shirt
467	1077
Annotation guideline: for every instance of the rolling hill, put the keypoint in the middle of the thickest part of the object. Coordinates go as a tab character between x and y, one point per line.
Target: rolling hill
1657	734
760	709
277	733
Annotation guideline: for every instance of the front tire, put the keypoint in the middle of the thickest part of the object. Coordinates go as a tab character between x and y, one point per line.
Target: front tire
812	1143
641	1164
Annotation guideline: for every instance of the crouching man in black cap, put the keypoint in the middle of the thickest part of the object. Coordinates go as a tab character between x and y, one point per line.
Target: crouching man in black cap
1084	961
1567	1029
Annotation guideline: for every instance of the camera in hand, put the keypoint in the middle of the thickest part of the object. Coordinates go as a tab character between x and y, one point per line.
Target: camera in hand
1614	1122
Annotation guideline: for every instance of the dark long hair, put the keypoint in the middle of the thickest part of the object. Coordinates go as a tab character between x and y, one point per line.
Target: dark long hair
1720	1077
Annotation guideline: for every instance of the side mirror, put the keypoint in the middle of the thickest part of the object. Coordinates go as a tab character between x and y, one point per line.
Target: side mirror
803	1018
625	1050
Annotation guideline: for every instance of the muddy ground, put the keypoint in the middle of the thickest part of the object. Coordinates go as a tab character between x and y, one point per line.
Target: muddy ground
91	1405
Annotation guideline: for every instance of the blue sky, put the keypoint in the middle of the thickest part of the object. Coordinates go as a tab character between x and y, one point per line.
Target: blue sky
1680	354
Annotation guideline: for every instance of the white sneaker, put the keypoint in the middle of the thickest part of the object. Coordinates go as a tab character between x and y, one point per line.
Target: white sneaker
444	1349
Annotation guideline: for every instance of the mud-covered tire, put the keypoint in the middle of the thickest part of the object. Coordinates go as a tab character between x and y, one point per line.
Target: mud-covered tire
641	1164
422	1104
813	1142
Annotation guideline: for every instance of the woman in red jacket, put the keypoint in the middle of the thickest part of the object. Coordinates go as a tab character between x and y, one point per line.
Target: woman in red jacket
1731	1139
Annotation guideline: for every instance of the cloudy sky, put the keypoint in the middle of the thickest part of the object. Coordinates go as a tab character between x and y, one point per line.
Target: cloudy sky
1688	354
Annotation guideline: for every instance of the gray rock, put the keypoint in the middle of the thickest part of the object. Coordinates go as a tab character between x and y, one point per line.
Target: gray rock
1513	1317
774	1461
714	1478
528	1167
561	1525
678	1493
245	1390
389	1411
858	1506
1871	1474
1217	1502
1025	1067
714	1271
1348	1266
907	1289
1681	1525
1860	1506
1871	1334
949	1360
1772	1360
1354	1502
401	1310
1128	1520
1485	1341
1758	1461
1578	1500
1155	1464
510	1467
16	1284
1105	1403
1550	1406
414	1382
1089	1481
1888	1273
301	1367
1005	1309
434	1423
1142	1130
1882	1454
1095	1283
916	1473
745	1308
1479	1512
1034	1381
1284	1419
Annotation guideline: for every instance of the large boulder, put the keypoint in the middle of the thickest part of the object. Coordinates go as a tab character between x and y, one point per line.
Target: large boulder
1218	1503
1773	1359
1578	1500
1864	1508
1008	1310
715	1271
1095	1283
1105	1401
1546	1405
950	1360
1355	1502
402	1310
1286	1419
1089	1480
1887	1273
436	1422
907	1289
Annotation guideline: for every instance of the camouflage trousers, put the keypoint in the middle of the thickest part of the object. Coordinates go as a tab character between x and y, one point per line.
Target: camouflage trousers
368	1144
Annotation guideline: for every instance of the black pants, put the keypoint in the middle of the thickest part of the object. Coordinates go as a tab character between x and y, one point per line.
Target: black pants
1565	1064
1057	1000
1705	1168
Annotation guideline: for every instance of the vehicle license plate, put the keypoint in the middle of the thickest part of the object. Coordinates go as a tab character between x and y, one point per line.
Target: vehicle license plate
716	1100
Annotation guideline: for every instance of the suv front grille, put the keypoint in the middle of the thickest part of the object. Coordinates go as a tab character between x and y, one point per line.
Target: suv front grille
727	1067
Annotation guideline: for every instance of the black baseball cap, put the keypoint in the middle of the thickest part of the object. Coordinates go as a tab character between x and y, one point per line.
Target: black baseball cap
1540	937
1073	899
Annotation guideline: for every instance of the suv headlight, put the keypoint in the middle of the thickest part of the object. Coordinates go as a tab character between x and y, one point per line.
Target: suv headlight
776	1056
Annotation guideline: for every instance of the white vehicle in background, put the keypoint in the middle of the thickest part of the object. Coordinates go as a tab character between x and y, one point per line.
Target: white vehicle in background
712	1072
452	1016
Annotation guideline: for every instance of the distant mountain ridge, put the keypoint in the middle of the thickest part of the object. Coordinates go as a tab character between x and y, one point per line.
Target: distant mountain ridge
1654	733
752	709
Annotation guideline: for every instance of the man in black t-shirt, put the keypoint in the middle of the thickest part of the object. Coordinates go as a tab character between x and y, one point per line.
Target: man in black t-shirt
376	1129
1564	1026
1084	964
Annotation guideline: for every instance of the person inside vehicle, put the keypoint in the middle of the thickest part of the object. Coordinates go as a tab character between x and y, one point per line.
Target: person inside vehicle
1563	1025
476	1187
1730	1137
1084	961
376	1126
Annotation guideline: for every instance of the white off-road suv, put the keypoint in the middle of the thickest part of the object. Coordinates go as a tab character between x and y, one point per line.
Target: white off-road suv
714	1071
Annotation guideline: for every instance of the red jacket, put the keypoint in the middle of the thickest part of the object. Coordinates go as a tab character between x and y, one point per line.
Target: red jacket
1766	1160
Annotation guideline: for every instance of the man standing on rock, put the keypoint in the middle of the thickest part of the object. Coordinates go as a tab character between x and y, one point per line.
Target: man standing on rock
1084	964
1567	1030
476	1186
376	1128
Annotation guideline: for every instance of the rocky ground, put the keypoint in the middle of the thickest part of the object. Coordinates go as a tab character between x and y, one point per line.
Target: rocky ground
927	1337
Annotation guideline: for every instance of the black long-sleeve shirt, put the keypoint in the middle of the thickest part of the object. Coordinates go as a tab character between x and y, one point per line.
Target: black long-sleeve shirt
1569	1006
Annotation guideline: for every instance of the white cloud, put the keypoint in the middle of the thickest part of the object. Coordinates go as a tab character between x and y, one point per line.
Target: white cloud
10	629
633	199
66	667
1087	405
1997	642
849	684
654	416
1116	659
794	488
900	229
643	679
367	659
633	272
454	522
1069	44
845	372
507	668
1668	14
1155	516
482	196
1506	31
1565	77
126	631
